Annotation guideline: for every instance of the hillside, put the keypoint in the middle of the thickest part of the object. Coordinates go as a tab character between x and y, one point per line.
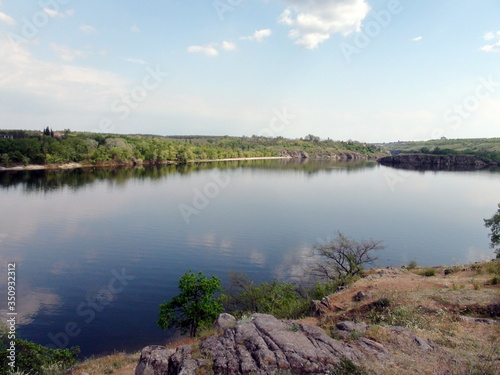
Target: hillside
459	145
447	318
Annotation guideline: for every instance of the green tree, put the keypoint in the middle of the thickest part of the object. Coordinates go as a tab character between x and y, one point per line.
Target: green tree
196	306
494	224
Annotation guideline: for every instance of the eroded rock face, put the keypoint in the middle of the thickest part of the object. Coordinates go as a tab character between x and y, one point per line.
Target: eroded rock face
427	161
263	345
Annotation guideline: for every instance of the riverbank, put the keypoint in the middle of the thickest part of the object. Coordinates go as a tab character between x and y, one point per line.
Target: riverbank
34	167
449	317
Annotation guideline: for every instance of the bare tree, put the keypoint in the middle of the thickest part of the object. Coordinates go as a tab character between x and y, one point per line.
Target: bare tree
343	257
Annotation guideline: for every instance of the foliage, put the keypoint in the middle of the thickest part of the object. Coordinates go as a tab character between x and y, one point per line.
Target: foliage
343	257
34	358
31	147
494	224
282	300
429	272
195	306
412	265
345	367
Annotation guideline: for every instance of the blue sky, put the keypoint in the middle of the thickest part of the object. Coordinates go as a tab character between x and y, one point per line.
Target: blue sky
345	69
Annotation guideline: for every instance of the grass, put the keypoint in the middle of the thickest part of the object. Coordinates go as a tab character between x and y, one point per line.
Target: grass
110	364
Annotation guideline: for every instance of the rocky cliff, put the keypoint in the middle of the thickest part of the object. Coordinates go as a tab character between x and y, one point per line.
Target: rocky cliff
326	154
415	161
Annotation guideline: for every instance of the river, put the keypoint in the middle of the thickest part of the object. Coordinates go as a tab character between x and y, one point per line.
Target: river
97	250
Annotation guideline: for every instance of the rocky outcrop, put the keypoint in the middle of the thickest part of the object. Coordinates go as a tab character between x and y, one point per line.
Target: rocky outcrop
267	345
325	154
428	161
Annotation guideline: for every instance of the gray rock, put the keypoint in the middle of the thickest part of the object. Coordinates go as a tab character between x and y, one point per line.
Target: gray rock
352	327
478	320
154	360
359	296
423	343
263	345
225	321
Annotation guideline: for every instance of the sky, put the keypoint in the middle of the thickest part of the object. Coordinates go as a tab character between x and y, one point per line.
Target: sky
366	70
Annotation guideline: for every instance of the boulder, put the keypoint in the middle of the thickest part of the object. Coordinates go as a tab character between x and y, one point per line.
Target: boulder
225	321
263	345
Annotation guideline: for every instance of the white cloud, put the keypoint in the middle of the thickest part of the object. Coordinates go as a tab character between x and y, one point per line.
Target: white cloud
228	46
258	35
55	14
87	29
67	54
25	78
5	18
212	49
135	29
489	35
136	61
208	50
495	46
417	39
314	21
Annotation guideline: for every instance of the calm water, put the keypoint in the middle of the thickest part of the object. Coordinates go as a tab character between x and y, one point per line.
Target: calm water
98	250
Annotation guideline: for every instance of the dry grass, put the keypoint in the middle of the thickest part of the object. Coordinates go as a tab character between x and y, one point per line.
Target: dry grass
432	308
116	364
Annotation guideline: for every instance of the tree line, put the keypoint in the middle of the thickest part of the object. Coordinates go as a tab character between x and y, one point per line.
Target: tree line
19	147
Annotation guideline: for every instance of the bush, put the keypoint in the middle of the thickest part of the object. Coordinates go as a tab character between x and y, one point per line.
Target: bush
429	272
279	299
33	358
345	367
412	265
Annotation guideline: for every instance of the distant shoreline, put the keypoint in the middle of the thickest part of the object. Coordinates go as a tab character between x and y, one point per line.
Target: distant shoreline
36	167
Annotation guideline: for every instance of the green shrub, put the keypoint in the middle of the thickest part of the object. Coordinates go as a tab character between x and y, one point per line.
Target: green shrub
33	358
346	367
429	272
282	300
382	303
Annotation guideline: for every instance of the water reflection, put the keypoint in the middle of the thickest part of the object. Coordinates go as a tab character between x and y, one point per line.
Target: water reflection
47	181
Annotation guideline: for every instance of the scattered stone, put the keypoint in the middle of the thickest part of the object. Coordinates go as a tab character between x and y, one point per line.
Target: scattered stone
478	320
423	343
352	327
359	296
